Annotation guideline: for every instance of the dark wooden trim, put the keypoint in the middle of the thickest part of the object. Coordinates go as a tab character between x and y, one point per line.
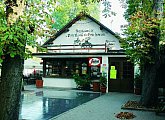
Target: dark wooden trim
72	45
113	52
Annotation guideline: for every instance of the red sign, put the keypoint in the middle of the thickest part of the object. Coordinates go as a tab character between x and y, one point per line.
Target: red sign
94	61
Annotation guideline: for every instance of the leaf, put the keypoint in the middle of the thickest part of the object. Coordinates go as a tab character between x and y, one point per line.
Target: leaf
5	37
12	54
1	60
11	37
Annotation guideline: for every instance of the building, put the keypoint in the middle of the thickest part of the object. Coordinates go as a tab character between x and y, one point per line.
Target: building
85	46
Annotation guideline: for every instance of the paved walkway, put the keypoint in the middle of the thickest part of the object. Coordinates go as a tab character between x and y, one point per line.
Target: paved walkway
106	107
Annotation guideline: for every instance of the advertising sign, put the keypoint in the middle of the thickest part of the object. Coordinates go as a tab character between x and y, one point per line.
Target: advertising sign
104	70
113	72
94	61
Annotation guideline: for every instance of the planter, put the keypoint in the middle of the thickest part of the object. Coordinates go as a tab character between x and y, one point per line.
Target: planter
103	89
96	86
39	83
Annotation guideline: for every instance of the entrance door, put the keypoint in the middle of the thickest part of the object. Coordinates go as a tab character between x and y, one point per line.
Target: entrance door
124	77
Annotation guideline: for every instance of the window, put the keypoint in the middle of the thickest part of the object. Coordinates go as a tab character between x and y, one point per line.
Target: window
95	71
63	67
69	69
53	68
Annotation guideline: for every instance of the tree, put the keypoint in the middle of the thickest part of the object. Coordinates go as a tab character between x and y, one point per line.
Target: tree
19	25
142	43
66	10
21	22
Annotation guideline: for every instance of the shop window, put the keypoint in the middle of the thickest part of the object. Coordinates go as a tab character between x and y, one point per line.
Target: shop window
53	68
63	68
95	71
84	69
69	69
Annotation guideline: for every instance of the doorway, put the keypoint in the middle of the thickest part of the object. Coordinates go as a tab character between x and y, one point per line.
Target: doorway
124	75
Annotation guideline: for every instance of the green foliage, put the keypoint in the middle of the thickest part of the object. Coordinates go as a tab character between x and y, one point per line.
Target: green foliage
103	81
82	81
134	6
68	9
12	39
107	9
140	32
143	31
25	30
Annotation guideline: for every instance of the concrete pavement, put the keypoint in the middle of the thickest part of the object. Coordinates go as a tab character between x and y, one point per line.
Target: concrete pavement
106	107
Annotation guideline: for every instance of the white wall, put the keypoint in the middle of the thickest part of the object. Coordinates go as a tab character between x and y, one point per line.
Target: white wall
105	66
87	30
59	82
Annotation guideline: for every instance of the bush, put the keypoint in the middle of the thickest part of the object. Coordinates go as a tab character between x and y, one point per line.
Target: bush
82	81
103	81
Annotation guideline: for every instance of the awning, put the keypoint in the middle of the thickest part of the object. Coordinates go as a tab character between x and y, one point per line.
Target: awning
31	64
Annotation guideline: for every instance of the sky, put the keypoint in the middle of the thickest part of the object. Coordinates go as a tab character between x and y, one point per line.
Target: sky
114	22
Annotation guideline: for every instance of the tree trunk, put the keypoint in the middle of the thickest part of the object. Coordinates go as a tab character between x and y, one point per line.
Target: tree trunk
150	82
150	87
10	87
12	69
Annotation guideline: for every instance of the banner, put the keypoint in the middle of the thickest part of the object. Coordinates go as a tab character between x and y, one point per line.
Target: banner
113	72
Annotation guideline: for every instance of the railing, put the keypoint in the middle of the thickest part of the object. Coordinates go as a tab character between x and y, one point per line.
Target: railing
77	48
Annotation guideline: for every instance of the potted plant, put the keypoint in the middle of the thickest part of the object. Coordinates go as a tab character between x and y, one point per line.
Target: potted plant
103	84
39	81
83	82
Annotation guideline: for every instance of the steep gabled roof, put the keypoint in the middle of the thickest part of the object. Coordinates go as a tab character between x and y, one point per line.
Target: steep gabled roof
65	28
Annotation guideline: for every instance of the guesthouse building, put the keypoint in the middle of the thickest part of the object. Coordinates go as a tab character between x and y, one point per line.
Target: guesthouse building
85	46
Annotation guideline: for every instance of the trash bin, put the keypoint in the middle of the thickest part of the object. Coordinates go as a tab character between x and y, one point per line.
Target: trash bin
96	85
